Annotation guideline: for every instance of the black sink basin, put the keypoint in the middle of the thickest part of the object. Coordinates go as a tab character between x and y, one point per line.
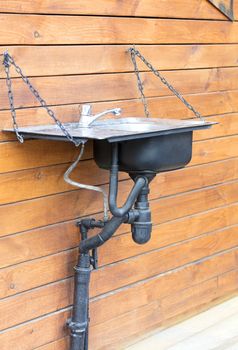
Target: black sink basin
145	144
152	154
164	150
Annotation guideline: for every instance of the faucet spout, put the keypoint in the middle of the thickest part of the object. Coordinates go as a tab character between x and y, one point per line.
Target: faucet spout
86	119
115	111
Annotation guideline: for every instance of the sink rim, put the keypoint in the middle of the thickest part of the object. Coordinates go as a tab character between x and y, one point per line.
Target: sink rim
115	130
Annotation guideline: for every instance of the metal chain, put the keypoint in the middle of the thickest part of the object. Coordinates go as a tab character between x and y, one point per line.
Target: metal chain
140	84
134	52
11	102
7	62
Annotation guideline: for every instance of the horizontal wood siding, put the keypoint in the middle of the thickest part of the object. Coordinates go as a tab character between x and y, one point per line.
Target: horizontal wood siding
76	52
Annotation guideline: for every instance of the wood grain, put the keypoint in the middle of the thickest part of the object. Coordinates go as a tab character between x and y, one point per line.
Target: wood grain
41	30
111	87
57	296
38	153
146	317
75	204
49	240
197	307
50	60
227	125
214	149
61	344
22	277
28	155
165	107
76	54
144	8
44	181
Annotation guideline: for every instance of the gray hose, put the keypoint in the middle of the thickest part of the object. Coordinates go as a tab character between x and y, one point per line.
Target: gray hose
83	186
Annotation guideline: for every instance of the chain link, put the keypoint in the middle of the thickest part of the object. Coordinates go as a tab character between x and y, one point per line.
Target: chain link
139	83
134	52
7	62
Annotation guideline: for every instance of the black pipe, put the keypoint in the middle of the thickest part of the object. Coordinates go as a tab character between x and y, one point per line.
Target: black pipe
78	324
141	227
96	241
113	188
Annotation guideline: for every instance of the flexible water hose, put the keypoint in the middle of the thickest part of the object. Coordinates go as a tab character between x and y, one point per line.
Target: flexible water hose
84	186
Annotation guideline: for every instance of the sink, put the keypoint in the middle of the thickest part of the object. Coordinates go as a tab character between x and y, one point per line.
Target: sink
145	144
152	154
166	144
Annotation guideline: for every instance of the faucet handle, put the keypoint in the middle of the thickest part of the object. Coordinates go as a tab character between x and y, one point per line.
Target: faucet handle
86	110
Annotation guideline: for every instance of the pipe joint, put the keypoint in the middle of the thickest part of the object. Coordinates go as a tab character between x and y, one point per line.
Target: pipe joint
76	328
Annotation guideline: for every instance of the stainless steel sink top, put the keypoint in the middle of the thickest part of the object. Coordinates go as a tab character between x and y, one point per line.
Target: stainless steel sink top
115	130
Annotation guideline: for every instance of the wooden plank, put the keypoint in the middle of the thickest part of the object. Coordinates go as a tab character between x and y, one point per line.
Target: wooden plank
53	297
142	320
44	181
62	265
41	242
106	87
41	152
160	238
79	203
228	282
117	331
32	183
75	204
192	178
185	301
146	265
42	30
165	107
62	344
37	333
50	60
213	150
54	267
196	296
38	243
235	10
158	288
227	125
164	8
46	303
22	277
38	153
194	202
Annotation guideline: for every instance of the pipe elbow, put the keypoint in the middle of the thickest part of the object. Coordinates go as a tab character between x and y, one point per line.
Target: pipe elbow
107	232
122	211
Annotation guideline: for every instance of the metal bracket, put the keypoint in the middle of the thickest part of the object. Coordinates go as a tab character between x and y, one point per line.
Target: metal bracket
94	259
224	6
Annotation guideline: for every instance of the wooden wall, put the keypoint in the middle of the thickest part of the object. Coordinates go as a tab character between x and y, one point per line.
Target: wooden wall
75	52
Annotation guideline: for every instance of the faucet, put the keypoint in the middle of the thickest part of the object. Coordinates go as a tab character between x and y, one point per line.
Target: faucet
87	119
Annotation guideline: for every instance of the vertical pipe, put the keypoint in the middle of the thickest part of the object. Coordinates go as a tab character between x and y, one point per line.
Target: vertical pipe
78	324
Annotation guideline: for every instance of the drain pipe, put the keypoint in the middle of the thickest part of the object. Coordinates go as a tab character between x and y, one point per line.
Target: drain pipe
139	218
79	322
140	182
